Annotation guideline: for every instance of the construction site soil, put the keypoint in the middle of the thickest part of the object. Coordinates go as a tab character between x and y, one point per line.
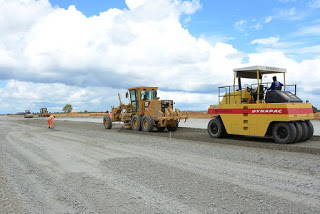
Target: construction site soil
80	167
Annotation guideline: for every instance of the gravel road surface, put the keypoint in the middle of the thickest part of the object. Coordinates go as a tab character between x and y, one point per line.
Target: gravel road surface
80	167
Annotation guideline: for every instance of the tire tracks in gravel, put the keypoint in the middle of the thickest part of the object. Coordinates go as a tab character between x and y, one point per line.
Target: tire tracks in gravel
271	181
201	136
231	169
101	159
24	151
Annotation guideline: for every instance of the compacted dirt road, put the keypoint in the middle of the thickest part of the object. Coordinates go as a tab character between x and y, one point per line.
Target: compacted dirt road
80	167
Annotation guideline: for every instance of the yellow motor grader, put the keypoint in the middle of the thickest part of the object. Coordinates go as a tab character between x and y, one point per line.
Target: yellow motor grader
145	111
260	110
44	112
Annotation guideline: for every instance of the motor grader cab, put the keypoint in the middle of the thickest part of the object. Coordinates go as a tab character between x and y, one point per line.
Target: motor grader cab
44	112
253	110
145	111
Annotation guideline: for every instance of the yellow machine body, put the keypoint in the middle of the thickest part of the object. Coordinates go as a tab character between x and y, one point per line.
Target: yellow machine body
250	111
44	112
255	119
143	101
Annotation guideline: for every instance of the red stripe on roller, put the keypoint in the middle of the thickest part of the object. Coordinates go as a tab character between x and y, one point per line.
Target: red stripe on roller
262	111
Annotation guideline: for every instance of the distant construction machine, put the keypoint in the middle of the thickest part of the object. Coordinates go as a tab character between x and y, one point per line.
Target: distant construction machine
254	111
28	114
44	112
145	111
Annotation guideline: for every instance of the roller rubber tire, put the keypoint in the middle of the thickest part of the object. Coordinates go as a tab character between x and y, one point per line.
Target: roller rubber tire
284	133
310	130
107	122
147	123
216	128
136	123
305	131
299	132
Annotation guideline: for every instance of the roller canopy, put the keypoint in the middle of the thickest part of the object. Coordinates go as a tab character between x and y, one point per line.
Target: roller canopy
251	72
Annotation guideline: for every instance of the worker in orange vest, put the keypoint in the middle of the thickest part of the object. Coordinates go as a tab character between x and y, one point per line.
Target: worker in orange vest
109	114
51	122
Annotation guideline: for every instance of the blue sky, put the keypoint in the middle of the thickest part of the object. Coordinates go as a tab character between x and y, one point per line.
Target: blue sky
293	22
54	52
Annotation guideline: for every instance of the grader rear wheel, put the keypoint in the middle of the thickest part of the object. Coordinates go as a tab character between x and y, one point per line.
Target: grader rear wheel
136	123
107	122
147	123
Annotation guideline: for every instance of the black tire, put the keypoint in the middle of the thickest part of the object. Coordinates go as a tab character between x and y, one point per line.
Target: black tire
161	129
216	128
147	123
107	122
284	133
136	123
304	130
310	130
299	132
177	124
173	127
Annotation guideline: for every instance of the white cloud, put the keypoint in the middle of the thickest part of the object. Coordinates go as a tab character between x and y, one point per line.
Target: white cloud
286	1
310	30
187	19
266	41
302	73
268	19
213	39
133	4
314	4
188	7
309	49
240	25
291	14
243	25
58	56
18	96
257	26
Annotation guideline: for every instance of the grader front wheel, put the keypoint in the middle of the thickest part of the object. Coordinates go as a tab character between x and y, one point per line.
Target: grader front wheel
136	123
107	122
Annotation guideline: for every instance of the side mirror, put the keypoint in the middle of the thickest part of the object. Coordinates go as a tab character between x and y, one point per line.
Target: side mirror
127	94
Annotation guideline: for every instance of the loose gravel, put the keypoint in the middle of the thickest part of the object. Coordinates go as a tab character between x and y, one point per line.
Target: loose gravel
80	167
